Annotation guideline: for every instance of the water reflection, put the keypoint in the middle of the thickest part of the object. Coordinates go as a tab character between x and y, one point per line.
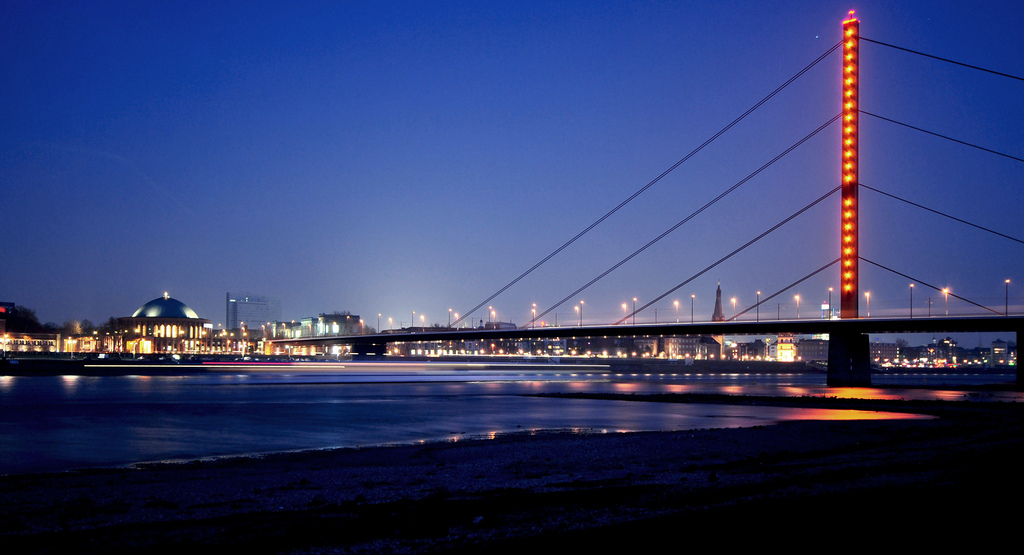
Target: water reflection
53	423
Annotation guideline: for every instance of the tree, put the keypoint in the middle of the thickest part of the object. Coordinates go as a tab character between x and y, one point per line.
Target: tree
23	320
71	327
110	326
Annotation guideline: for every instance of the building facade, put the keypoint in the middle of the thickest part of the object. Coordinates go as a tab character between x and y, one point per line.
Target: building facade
251	309
165	326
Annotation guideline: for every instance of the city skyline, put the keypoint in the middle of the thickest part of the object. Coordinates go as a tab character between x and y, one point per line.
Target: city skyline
384	160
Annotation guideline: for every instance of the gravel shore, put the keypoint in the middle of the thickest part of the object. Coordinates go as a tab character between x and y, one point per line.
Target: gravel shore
794	484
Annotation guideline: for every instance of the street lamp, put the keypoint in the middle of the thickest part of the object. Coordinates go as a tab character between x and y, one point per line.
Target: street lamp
911	300
449	318
581	312
830	311
579	319
625	309
634	311
734	307
1006	310
412	320
391	323
757	308
691	307
797	307
867	295
677	310
533	320
945	293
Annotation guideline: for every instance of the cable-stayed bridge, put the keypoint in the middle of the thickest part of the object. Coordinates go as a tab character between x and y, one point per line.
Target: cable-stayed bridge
846	327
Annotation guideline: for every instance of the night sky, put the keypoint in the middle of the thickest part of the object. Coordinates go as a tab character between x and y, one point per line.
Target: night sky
390	157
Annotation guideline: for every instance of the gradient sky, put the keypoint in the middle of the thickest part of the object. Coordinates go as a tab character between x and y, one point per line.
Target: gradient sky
390	157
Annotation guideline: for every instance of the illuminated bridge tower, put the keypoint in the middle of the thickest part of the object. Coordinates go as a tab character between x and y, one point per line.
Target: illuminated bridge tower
849	357
849	297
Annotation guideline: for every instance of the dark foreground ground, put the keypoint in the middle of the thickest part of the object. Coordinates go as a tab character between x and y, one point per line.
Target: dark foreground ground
840	486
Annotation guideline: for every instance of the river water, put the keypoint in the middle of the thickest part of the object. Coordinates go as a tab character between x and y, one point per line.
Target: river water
64	422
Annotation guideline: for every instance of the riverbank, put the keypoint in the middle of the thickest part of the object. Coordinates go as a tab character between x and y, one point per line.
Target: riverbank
840	482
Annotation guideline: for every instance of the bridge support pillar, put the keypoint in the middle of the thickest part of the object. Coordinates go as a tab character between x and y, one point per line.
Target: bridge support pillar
849	360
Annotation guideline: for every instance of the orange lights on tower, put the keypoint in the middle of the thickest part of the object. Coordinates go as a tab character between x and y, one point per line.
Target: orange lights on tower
848	293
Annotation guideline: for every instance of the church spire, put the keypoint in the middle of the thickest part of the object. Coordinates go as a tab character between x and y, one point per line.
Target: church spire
719	314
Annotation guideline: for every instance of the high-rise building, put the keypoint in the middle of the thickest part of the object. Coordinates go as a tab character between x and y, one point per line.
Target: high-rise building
251	309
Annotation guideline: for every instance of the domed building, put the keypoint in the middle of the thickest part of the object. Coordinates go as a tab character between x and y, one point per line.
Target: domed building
165	325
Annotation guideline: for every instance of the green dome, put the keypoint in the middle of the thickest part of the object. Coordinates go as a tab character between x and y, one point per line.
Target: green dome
165	307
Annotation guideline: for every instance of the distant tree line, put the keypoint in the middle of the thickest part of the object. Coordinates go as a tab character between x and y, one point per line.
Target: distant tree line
24	320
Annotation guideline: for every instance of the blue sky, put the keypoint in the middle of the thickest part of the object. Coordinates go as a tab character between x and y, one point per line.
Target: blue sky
390	157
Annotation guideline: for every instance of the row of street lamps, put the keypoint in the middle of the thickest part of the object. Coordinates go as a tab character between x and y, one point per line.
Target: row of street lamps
493	315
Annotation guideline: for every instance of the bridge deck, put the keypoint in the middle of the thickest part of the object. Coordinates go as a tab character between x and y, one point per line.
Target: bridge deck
1011	324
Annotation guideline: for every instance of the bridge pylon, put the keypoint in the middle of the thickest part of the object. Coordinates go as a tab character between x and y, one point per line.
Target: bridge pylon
849	252
849	356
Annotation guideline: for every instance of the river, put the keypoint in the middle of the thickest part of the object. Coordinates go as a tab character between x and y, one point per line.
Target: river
52	423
